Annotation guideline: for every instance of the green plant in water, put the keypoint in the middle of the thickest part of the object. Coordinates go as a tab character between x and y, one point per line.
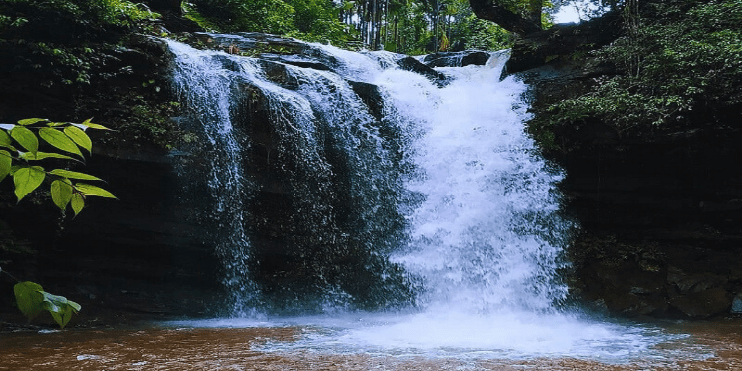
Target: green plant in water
67	139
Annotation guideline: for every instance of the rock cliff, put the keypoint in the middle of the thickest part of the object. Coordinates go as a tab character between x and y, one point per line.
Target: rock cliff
660	213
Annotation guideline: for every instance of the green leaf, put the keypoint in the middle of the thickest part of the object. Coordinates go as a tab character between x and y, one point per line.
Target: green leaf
78	202
63	316
59	307
56	300
79	137
28	296
76	307
91	190
5	140
61	193
27	179
58	139
50	306
26	138
25	122
5	164
73	175
44	155
93	126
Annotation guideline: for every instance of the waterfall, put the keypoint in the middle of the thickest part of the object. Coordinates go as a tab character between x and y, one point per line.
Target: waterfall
206	90
362	185
380	209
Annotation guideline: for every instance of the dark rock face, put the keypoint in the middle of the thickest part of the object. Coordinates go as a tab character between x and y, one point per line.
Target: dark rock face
672	206
143	254
660	215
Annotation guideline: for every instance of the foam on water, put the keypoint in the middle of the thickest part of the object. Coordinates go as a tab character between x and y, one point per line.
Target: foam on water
441	334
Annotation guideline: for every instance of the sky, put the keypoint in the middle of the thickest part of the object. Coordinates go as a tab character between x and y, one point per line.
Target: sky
574	11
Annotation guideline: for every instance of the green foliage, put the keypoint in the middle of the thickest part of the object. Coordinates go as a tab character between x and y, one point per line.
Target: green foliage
403	26
50	39
66	188
44	19
32	300
479	34
679	66
270	16
190	12
317	20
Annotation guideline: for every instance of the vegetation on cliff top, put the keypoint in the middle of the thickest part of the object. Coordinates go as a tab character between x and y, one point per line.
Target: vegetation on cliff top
678	67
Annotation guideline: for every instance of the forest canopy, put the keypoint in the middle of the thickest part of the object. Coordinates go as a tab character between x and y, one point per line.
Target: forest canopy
403	26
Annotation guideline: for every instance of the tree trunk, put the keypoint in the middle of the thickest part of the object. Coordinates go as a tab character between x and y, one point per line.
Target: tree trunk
504	18
534	13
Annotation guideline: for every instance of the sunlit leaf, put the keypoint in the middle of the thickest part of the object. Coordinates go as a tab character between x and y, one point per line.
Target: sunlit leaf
77	202
32	121
55	299
79	137
25	138
93	126
44	155
7	126
73	174
27	179
28	297
50	306
76	307
6	162
91	190
5	140
61	193
58	139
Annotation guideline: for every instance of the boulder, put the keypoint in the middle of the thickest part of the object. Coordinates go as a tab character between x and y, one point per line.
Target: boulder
456	59
414	65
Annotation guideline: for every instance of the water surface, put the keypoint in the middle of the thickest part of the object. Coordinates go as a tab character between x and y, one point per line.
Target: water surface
706	345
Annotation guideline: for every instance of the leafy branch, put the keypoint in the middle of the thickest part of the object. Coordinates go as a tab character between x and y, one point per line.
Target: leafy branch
68	140
32	300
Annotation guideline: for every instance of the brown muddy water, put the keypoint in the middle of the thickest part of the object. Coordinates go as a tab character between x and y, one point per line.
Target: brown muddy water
712	345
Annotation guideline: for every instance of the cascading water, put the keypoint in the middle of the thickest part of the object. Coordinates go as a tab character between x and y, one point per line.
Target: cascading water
206	90
405	214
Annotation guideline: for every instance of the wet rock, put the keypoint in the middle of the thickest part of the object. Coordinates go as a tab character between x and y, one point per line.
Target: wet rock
412	64
737	304
370	95
277	73
693	283
702	304
296	60
457	59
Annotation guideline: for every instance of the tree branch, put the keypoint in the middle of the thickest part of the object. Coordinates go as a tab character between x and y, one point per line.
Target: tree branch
485	9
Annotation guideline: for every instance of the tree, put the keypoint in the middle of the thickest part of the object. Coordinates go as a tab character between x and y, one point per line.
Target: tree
526	16
678	68
518	16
